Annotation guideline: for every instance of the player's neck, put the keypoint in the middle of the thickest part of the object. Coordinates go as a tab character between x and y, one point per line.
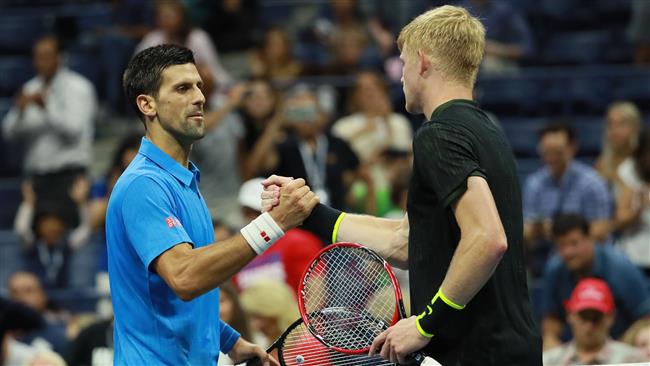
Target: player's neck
171	146
438	94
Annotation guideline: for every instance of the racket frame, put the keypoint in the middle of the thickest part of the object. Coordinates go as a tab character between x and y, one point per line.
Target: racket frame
398	312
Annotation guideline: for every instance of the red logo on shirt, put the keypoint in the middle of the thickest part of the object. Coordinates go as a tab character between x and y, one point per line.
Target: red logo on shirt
170	222
265	237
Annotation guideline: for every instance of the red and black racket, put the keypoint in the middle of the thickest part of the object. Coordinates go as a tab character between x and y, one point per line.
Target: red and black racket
298	347
348	296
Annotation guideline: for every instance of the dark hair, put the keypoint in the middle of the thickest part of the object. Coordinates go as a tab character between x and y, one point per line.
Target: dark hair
558	126
143	74
130	142
239	321
51	38
640	155
565	223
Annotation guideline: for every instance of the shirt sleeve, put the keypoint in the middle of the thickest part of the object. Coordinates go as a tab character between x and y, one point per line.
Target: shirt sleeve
150	219
228	337
597	202
531	206
444	158
550	301
633	286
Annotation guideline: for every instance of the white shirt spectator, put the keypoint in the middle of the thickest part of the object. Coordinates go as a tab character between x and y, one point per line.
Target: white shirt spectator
635	240
370	137
60	134
199	42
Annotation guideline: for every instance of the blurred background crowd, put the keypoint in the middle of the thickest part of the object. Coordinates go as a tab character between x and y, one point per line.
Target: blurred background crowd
312	89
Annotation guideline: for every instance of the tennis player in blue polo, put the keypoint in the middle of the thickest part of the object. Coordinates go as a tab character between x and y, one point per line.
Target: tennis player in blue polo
164	267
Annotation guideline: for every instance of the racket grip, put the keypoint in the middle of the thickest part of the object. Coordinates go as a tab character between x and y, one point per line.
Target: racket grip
417	358
255	361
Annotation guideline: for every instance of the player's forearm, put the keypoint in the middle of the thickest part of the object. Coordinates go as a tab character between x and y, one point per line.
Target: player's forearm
474	261
203	269
385	236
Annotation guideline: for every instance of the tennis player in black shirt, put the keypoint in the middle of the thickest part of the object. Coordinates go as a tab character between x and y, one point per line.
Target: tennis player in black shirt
462	238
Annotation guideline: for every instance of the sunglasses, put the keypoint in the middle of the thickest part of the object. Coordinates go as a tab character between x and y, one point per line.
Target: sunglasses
592	316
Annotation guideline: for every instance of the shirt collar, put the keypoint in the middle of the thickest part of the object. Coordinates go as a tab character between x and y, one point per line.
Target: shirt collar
449	103
155	154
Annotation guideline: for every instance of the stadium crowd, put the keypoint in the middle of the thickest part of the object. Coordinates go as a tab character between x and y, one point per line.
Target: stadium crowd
312	89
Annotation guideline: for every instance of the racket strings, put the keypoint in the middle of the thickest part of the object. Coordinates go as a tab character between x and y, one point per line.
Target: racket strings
349	298
300	348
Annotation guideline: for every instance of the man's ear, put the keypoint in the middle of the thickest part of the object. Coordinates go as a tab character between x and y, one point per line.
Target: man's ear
424	61
147	105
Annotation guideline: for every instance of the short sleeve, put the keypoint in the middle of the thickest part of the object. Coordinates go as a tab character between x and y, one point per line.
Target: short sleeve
444	158
228	336
150	219
550	305
531	193
597	201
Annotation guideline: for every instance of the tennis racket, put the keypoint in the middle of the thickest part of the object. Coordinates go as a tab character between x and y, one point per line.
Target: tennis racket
298	347
348	296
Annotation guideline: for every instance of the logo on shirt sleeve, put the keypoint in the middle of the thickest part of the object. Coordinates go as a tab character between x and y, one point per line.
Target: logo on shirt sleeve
173	222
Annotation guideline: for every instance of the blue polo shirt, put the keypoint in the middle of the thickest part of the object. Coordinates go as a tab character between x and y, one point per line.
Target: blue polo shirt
154	206
627	283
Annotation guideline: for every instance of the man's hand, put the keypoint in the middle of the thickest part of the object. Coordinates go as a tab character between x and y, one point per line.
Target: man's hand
243	350
296	201
399	341
271	194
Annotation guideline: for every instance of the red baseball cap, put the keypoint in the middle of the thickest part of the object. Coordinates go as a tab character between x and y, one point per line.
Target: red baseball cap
591	293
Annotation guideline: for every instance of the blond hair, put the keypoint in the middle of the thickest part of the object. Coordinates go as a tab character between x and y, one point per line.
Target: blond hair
450	35
629	110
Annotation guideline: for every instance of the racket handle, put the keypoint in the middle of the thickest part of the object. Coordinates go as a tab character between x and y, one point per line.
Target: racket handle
255	361
417	358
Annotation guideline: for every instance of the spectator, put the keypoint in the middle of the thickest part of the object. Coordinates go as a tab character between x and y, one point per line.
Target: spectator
373	126
231	312
47	234
15	316
577	258
590	314
272	308
131	20
639	31
621	134
284	261
218	152
233	25
53	117
639	336
126	151
260	107
93	345
326	162
563	185
274	60
633	211
25	288
509	39
173	27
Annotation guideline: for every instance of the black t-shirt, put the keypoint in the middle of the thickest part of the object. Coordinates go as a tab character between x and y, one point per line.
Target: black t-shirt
339	160
497	325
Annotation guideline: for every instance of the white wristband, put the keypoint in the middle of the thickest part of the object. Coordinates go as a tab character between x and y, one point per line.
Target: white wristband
262	232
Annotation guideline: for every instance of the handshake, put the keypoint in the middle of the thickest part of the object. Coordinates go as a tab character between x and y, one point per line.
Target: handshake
289	201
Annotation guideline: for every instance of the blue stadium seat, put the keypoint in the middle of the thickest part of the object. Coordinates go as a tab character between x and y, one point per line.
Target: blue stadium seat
526	167
509	95
14	72
589	131
10	256
10	197
88	65
522	134
575	48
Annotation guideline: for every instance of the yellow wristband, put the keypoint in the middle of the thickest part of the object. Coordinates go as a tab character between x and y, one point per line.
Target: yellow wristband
447	301
422	331
337	224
